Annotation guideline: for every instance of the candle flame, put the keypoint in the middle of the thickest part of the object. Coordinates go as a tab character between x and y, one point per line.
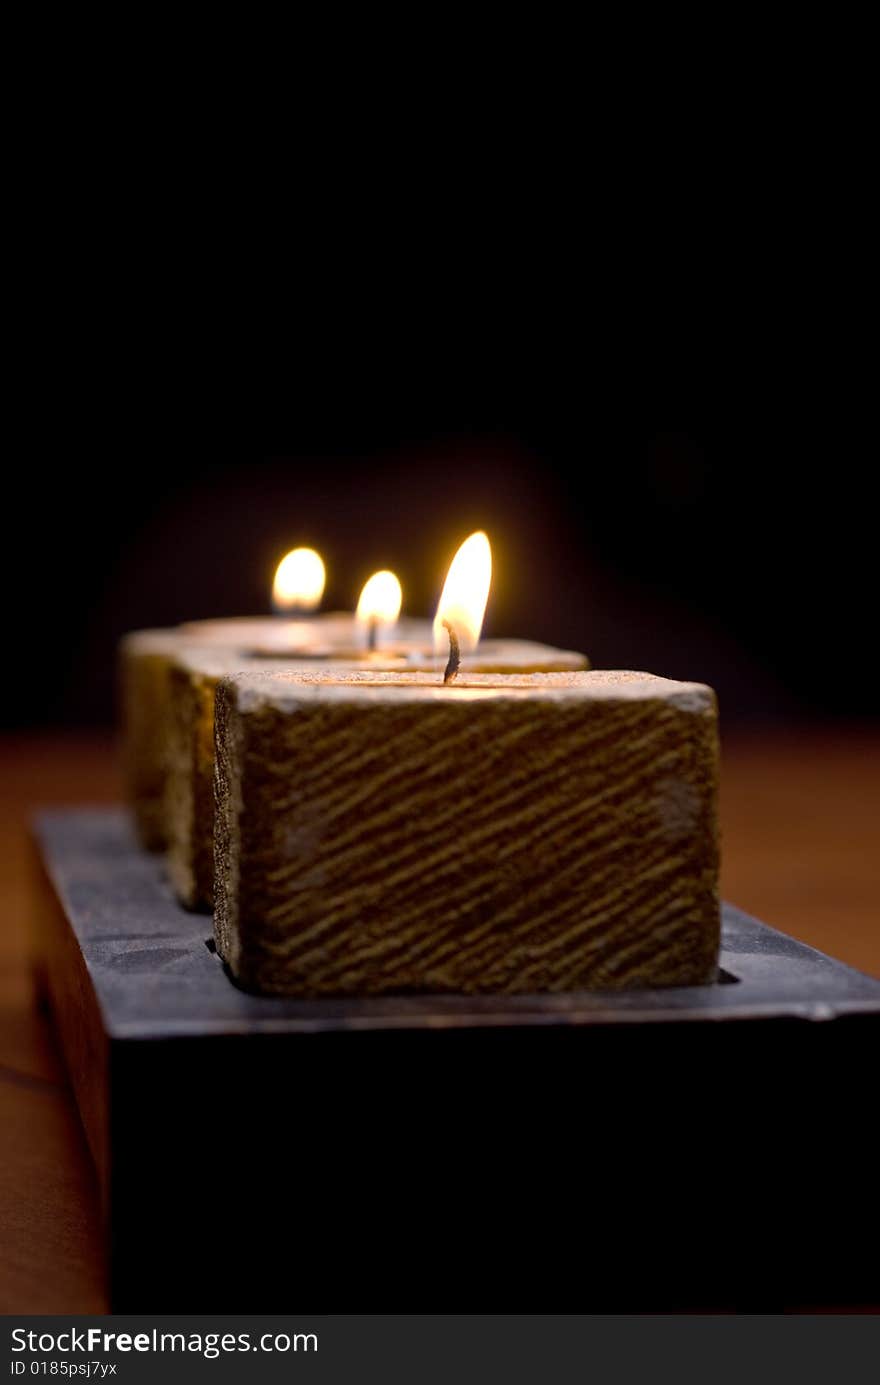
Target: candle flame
380	600
465	593
299	580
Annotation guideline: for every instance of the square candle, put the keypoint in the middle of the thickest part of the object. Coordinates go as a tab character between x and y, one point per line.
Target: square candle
188	800
381	833
146	661
167	680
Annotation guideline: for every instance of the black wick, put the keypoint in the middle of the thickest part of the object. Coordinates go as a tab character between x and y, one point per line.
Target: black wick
454	653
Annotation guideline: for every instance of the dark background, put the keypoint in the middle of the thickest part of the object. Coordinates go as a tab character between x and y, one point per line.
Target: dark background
698	505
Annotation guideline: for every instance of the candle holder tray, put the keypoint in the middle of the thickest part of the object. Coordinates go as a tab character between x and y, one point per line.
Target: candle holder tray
698	1147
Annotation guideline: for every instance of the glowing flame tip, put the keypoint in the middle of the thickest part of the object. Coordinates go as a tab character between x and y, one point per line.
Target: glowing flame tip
465	593
381	599
299	580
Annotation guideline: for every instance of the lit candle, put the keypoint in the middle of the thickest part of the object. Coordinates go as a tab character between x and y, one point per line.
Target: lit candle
500	833
463	602
406	643
297	627
378	606
299	581
168	722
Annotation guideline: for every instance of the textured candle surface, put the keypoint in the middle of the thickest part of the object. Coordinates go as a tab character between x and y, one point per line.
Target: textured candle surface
192	678
379	833
146	659
167	709
188	750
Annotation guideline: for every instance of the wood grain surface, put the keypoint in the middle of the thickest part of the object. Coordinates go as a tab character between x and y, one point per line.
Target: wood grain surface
800	850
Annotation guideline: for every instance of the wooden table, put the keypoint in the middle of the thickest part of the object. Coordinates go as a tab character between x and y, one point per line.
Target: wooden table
800	815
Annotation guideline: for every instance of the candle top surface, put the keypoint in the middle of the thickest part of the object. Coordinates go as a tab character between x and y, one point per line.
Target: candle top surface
283	688
242	640
221	662
238	627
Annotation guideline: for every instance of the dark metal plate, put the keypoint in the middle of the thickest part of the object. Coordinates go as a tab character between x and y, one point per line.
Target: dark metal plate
581	1152
155	975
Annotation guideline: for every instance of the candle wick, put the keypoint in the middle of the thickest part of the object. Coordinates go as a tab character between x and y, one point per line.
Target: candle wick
372	632
454	653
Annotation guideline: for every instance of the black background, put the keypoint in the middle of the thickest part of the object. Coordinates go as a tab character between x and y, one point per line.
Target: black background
679	483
